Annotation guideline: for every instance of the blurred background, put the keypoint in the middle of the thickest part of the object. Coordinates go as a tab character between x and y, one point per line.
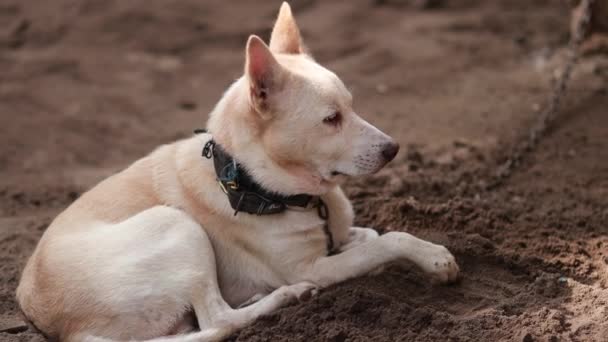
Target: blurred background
89	86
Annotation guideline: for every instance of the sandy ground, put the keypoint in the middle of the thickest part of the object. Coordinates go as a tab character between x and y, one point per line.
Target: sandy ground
86	87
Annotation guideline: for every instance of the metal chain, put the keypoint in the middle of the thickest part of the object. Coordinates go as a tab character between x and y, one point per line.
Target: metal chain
548	115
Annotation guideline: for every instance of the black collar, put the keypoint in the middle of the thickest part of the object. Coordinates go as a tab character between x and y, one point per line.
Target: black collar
246	195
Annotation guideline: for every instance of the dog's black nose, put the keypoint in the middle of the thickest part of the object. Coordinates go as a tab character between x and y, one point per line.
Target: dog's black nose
390	150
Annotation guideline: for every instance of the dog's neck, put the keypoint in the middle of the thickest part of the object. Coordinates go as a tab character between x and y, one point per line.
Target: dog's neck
232	124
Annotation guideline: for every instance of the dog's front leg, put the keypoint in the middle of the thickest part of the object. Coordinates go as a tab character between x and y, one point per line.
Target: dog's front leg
434	259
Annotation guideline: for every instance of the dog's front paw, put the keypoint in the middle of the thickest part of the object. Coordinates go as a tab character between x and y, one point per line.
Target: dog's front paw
300	292
440	264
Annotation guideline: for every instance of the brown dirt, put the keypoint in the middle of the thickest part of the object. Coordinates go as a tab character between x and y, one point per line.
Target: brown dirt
88	86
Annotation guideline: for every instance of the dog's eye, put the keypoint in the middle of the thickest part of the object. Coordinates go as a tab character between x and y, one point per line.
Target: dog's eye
333	119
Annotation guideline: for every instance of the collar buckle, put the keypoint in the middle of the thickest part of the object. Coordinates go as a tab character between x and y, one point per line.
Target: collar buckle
233	185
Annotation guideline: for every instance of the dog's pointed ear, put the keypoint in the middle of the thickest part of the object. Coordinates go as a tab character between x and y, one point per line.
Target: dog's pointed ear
263	72
285	37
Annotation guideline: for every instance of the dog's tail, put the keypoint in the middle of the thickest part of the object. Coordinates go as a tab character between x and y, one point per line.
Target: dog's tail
207	335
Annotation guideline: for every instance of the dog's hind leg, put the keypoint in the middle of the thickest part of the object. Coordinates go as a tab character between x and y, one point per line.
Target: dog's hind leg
189	253
193	256
151	270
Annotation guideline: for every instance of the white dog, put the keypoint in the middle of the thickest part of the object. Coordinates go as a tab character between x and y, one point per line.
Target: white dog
184	247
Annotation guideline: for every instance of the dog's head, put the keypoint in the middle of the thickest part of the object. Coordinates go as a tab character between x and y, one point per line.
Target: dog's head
303	114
